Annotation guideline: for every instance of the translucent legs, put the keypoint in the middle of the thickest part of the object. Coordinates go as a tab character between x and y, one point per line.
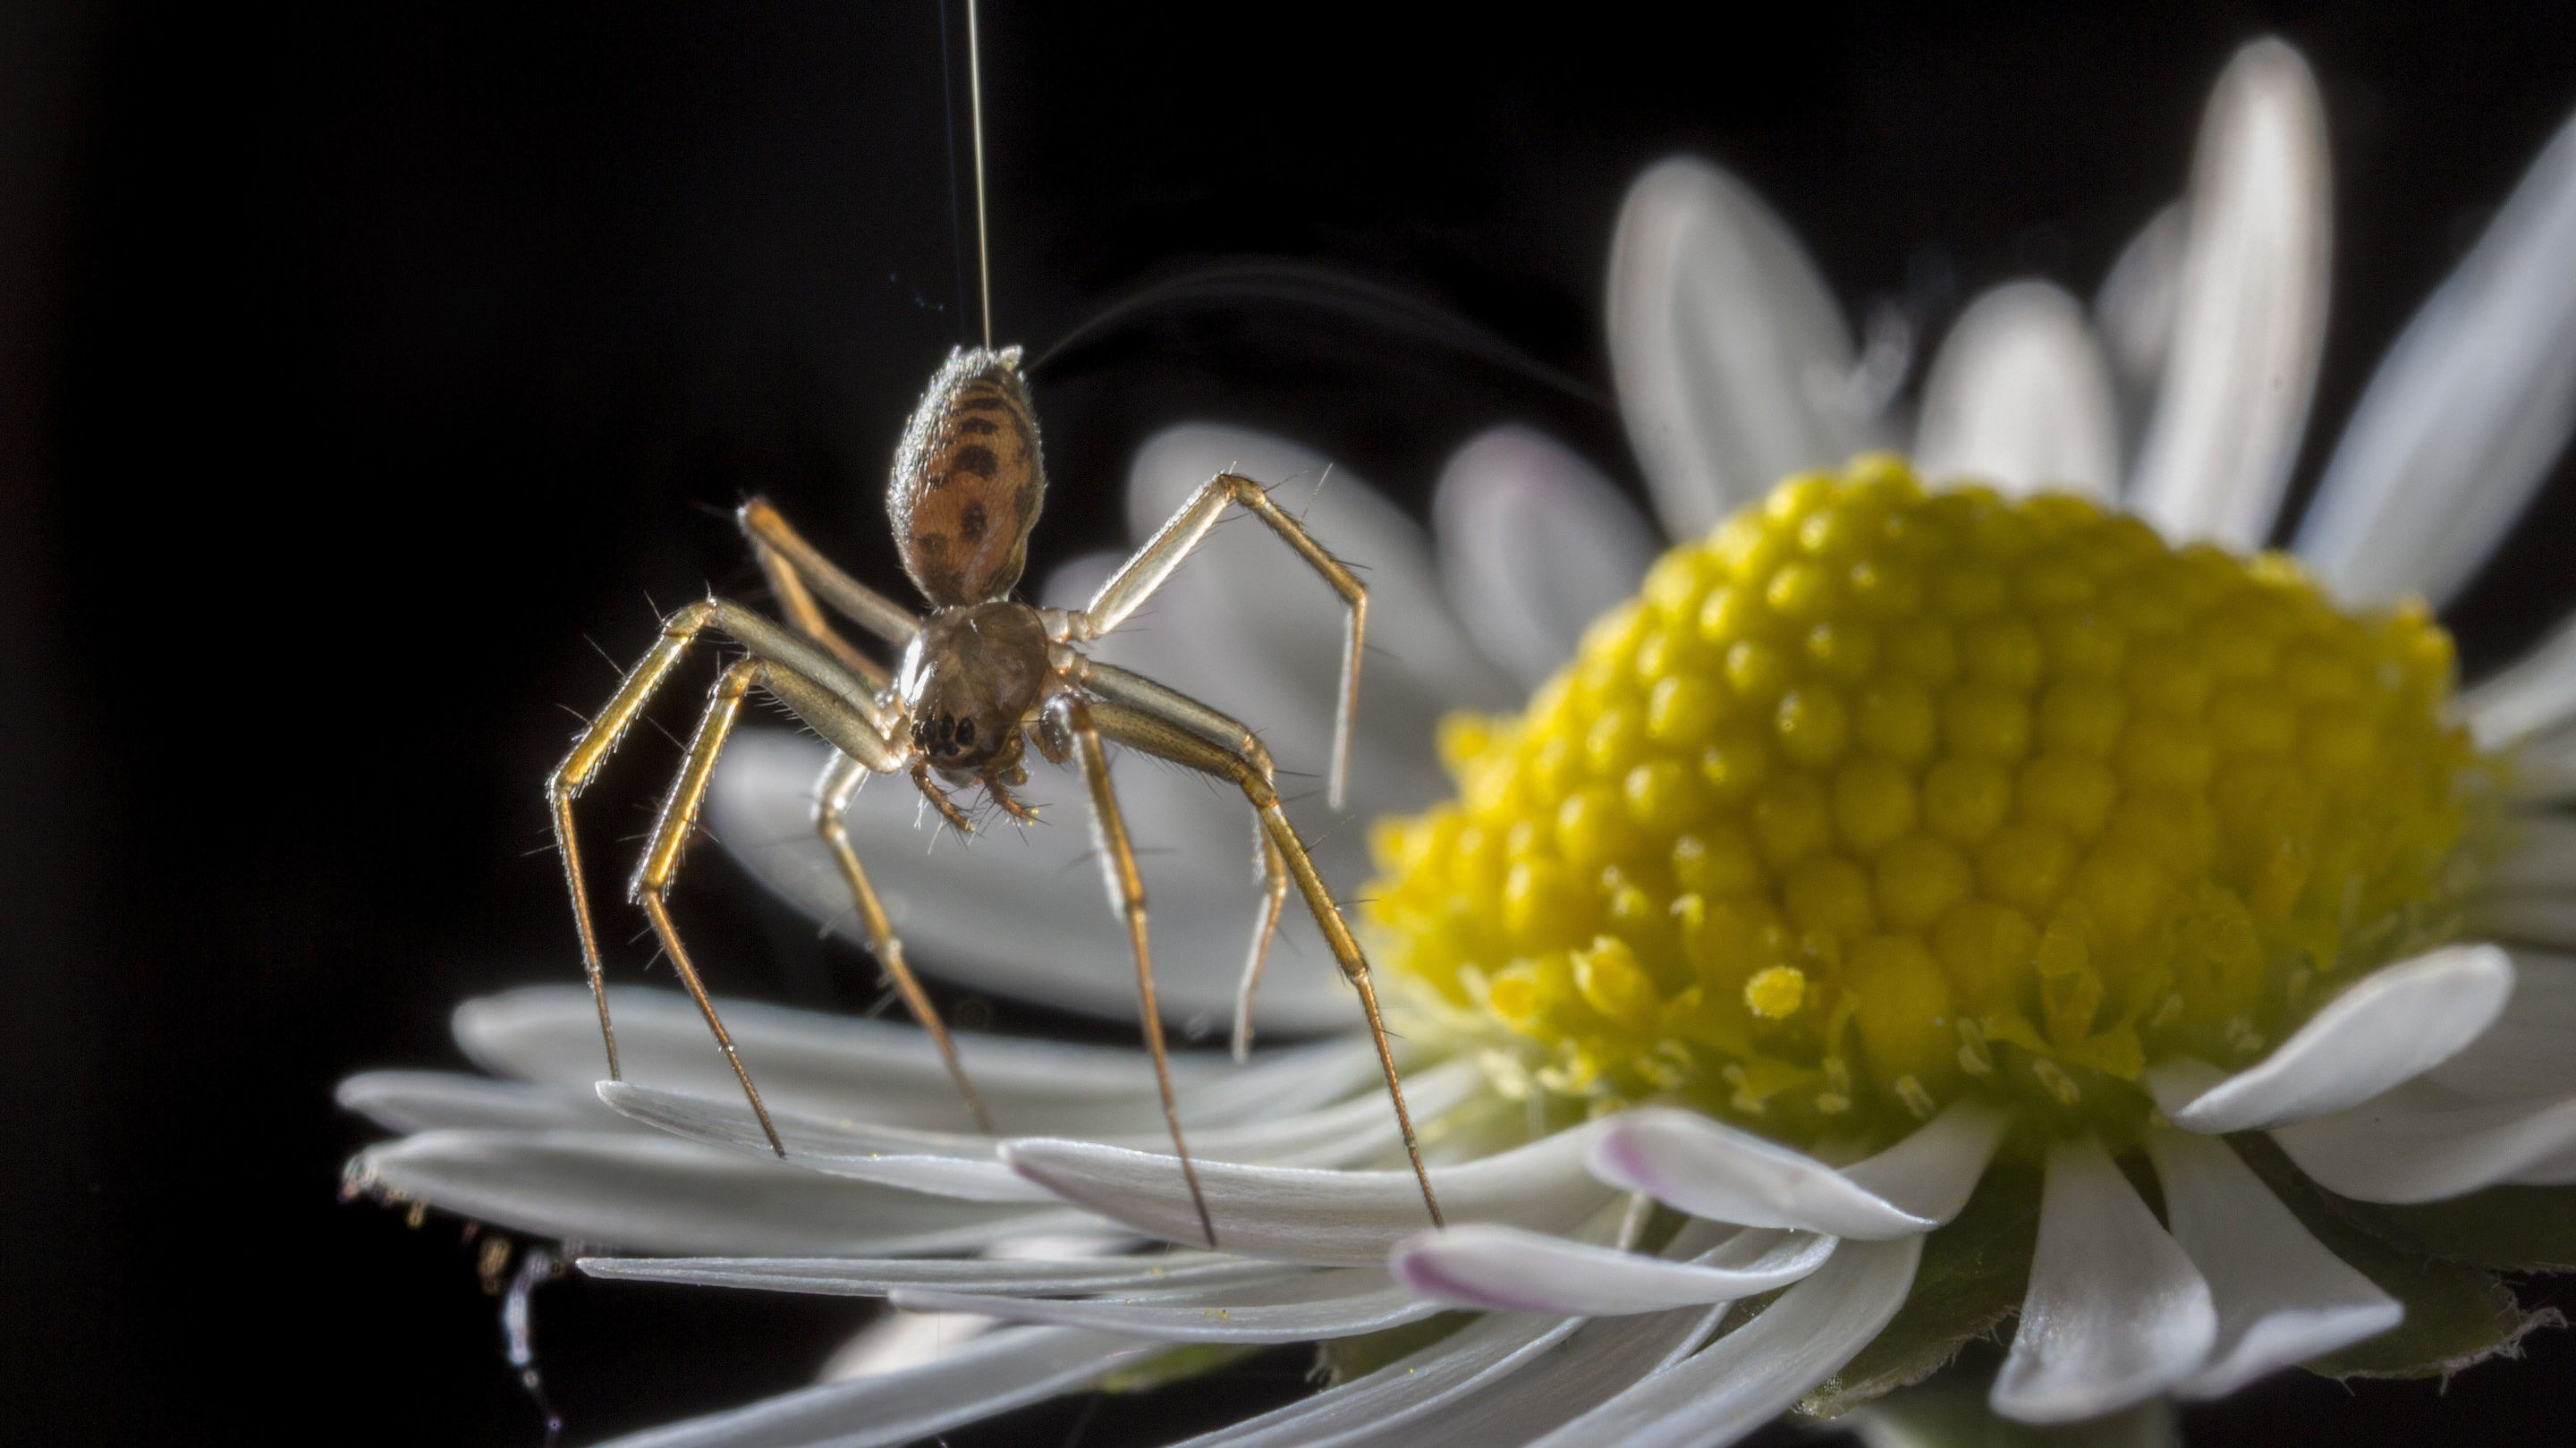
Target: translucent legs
809	682
1146	716
1136	580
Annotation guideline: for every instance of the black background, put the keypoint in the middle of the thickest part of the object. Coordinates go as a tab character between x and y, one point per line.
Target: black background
370	369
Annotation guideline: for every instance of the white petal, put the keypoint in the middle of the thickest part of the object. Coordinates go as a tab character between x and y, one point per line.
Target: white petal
2531	1051
1297	1308
1420	664
998	1371
2020	397
969	1167
2466	417
1534	545
898	1341
1296	1214
1508	1269
939	1163
431	1100
650	1193
1504	1377
1018	910
2282	1298
1007	1277
2533	696
2135	308
2392	1025
2421	1143
1713	1170
2115	1312
2548	920
2544	768
1728	349
2250	319
2542	860
1599	1360
1757	1371
830	1066
1931	1173
1489	1355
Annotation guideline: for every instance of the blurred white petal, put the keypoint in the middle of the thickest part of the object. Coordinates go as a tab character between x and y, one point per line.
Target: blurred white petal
2390	1026
1297	1214
1709	1169
2282	1298
1534	545
2115	1312
1728	350
2468	414
2541	859
2536	694
1020	911
2531	1049
2135	307
1754	1373
2544	920
2250	318
998	1371
2422	1143
899	1341
2019	397
1421	664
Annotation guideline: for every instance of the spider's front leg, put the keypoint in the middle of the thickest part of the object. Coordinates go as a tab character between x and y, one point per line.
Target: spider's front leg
1146	571
836	704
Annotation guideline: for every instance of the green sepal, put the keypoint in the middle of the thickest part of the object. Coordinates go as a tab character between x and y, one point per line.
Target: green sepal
2457	1313
1190	1360
1345	1359
1972	1277
2504	1229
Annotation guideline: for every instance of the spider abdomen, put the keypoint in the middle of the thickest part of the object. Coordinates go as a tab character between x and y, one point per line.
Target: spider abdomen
968	480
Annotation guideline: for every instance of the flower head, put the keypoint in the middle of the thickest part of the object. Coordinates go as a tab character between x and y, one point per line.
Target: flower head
1806	974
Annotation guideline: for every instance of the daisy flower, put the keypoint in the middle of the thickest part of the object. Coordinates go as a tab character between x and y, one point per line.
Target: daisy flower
1903	908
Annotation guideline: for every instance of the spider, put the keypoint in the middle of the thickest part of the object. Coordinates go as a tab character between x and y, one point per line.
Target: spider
981	677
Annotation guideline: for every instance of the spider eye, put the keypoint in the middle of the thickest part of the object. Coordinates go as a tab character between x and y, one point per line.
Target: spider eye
965	732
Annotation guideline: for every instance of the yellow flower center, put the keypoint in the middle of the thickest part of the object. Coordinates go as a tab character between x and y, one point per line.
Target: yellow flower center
1876	797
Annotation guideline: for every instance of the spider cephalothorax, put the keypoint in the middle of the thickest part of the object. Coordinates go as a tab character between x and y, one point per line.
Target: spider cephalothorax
969	680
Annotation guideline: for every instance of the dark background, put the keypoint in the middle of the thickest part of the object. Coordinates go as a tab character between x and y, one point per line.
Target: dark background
366	370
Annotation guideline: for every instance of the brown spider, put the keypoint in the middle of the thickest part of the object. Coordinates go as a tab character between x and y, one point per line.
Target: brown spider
979	676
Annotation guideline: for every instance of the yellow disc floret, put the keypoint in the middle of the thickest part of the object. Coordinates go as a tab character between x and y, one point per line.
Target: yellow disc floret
1878	796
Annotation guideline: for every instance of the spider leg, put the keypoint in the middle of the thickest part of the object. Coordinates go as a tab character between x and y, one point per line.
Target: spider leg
841	779
1138	578
1114	683
784	554
1169	731
803	677
1127	892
